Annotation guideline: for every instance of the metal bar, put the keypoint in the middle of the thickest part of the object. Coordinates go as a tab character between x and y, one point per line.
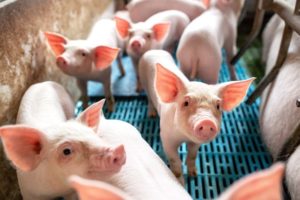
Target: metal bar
285	12
257	24
290	146
285	42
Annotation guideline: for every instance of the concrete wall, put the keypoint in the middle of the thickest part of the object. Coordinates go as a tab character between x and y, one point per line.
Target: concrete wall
26	59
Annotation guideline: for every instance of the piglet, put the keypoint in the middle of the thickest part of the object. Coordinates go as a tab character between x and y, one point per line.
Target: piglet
189	111
144	175
141	10
257	186
88	59
279	115
46	149
199	50
162	30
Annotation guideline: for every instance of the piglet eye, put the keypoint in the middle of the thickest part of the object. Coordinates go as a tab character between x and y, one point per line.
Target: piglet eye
186	104
218	106
83	54
67	151
148	35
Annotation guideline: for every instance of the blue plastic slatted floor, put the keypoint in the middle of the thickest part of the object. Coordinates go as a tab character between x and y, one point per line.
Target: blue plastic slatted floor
237	151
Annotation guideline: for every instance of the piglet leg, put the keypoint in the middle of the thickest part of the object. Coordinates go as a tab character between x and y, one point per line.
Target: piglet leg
82	84
107	90
230	48
120	64
135	63
170	149
191	157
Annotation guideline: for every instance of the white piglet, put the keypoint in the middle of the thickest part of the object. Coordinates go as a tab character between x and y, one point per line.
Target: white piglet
189	111
191	8
88	59
46	149
279	115
161	31
200	48
257	186
144	175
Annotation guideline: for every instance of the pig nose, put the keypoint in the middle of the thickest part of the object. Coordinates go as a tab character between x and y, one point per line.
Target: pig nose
136	44
61	62
205	130
118	158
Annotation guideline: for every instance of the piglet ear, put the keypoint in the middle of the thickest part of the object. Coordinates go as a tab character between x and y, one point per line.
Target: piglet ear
257	186
104	56
91	116
161	30
233	93
206	3
56	42
167	84
96	190
122	26
23	146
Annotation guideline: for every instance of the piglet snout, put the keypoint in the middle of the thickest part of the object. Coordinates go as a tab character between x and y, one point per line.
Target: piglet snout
118	157
136	45
61	62
205	130
109	161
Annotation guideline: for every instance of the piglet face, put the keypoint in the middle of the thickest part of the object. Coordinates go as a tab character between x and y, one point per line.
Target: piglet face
80	151
198	106
78	57
141	37
198	113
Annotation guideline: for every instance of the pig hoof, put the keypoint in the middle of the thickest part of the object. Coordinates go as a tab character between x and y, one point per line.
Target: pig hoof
181	180
139	89
152	114
110	106
192	172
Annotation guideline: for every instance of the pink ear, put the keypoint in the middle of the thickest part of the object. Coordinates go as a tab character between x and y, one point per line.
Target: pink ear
96	190
160	30
257	186
123	27
56	42
167	84
91	116
233	93
22	145
206	3
105	56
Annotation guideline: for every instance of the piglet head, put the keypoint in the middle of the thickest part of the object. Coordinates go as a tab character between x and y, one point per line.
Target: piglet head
198	106
141	37
257	186
75	57
70	147
96	190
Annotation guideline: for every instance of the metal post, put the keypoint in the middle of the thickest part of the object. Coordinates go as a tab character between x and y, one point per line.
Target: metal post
285	42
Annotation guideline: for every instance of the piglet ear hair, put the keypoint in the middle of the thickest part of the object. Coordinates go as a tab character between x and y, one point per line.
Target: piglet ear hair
56	42
122	26
23	146
91	116
232	93
96	190
167	84
261	185
104	56
161	30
